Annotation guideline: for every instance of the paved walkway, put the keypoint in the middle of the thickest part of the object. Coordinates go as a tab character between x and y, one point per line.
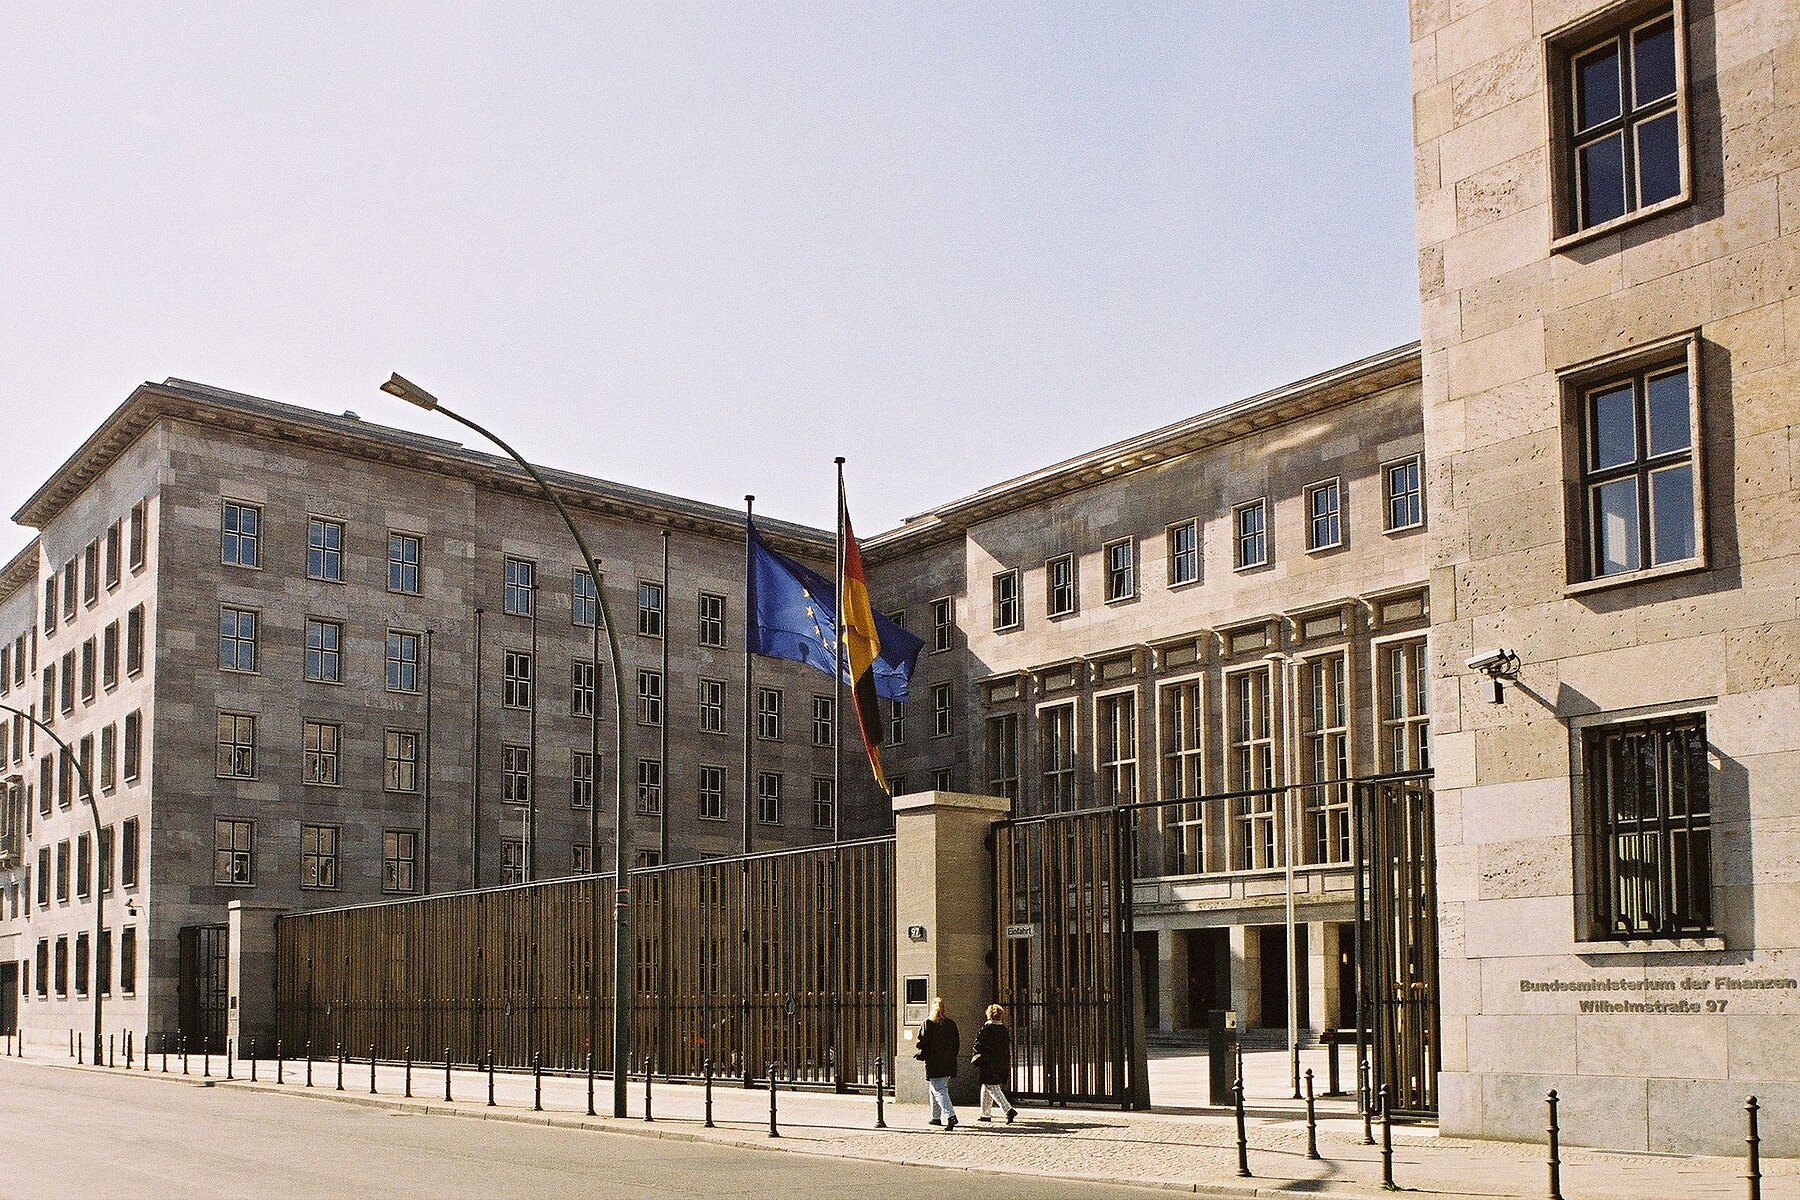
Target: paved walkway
1193	1153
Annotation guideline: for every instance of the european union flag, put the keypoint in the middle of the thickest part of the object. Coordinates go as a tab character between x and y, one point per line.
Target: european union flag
790	611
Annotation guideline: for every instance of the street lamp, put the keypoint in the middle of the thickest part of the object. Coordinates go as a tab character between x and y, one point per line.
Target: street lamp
413	394
93	799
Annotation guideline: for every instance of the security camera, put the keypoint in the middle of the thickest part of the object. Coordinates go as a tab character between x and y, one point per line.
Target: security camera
1490	662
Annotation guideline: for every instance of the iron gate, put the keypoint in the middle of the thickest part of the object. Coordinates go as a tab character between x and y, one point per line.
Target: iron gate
1398	930
204	987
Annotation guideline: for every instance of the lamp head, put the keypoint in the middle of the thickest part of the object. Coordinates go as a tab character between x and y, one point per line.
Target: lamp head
410	392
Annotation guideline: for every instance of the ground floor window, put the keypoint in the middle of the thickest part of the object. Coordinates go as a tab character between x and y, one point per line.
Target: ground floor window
1649	811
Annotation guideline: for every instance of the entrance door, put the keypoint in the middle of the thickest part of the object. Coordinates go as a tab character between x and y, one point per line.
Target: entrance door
204	987
1272	945
1346	977
1149	986
9	998
1208	973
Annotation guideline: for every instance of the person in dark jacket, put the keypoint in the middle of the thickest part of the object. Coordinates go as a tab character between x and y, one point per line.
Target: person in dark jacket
993	1056
939	1044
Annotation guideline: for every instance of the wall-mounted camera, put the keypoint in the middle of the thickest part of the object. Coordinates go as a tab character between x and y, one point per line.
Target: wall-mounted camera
1497	665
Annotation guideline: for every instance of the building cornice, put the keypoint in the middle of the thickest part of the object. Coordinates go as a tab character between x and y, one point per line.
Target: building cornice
20	572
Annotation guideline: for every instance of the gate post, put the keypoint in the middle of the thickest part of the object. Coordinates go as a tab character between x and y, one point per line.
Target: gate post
943	924
250	951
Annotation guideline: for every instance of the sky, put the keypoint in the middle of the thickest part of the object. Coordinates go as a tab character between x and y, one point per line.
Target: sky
703	248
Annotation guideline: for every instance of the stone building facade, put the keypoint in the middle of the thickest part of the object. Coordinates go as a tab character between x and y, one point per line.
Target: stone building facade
1609	227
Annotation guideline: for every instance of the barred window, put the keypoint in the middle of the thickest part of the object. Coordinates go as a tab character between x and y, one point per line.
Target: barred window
712	793
325	550
403	563
321	745
318	856
240	539
400	754
1649	816
237	746
712	619
399	861
232	841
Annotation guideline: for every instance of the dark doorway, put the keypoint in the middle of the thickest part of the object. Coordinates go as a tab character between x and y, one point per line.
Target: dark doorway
1149	979
1346	976
1208	973
1272	946
205	987
9	998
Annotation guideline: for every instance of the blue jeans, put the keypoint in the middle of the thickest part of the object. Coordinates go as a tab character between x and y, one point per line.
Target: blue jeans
940	1099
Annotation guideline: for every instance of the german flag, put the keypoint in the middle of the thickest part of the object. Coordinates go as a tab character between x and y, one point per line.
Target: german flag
862	645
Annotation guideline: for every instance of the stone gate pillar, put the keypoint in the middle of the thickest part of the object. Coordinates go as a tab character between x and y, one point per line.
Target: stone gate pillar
944	924
250	949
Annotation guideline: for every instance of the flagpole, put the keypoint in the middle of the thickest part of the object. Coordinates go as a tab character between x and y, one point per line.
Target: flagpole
744	863
837	793
664	778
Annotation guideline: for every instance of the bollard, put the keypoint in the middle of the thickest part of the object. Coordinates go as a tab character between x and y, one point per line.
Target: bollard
1753	1147
447	1074
371	1069
1333	1076
340	1058
309	1062
109	1051
80	1051
230	1053
182	1046
1364	1100
71	1043
490	1066
649	1070
165	1054
1387	1143
880	1097
1312	1120
537	1083
1555	1144
206	1059
590	1079
1243	1139
707	1071
280	1070
252	1060
1294	1067
774	1132
409	1072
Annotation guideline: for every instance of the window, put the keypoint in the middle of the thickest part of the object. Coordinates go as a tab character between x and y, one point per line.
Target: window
321	743
581	688
5	668
232	841
1405	497
1003	756
109	758
515	774
62	966
103	963
90	574
1121	574
62	872
650	610
134	641
1640	489
581	779
81	964
68	682
712	619
943	621
237	746
646	858
128	960
1619	120
48	706
402	661
824	802
1250	525
650	698
1115	719
1183	721
399	861
1006	600
237	639
1324	525
1250	759
512	861
1649	834
768	714
942	710
515	679
240	540
712	706
400	759
65	778
768	798
521	587
50	604
71	581
896	723
822	720
85	758
43	877
109	656
325	549
649	787
584	602
712	793
140	519
1059	586
403	563
581	859
90	670
1405	725
134	743
84	866
1184	553
113	548
324	641
943	779
1325	757
128	853
318	856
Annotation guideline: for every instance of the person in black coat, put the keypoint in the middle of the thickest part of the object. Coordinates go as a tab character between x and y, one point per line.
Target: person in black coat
993	1055
939	1044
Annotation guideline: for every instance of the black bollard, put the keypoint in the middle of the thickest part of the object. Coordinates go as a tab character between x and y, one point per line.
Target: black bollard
490	1066
1555	1144
409	1072
537	1082
1334	1076
371	1069
109	1051
165	1054
184	1054
71	1042
1387	1143
590	1079
252	1060
708	1074
1753	1147
230	1053
206	1059
309	1062
80	1050
774	1132
1365	1100
280	1068
446	1073
880	1097
1312	1120
340	1058
649	1070
1243	1138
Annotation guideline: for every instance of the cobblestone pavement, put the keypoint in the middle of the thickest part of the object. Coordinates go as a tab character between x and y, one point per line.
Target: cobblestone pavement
1188	1151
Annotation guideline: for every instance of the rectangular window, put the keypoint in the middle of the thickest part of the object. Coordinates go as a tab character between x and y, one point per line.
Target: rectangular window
1184	553
824	802
512	861
128	852
1640	487
1649	818
943	622
1405	724
81	964
649	787
237	639
650	610
1619	119
650	698
581	688
50	604
515	774
712	706
1400	484
90	574
71	581
324	651
5	668
1121	569
84	866
1006	600
400	861
322	742
768	714
325	549
403	563
318	856
1003	756
400	758
65	778
90	670
1059	586
109	758
237	746
109	656
62	872
712	793
240	540
140	521
1325	757
48	705
62	966
113	548
712	619
232	841
516	679
896	723
581	779
581	861
1250	759
68	682
1183	721
134	744
1115	719
402	661
43	877
128	960
768	798
85	757
1250	525
1324	524
521	587
943	710
822	721
943	779
134	641
584	603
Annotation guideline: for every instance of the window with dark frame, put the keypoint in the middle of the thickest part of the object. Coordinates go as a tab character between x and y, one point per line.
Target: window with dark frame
90	574
649	787
400	760
240	539
1251	534
114	568
1120	558
516	679
943	710
1638	480
133	739
712	619
1401	486
402	661
90	670
325	550
896	723
128	960
71	581
50	604
403	563
1324	525
650	609
1059	586
109	656
515	774
768	714
823	720
650	698
237	639
581	687
581	779
1621	142
232	852
1649	816
1115	736
134	641
1006	600
1003	756
400	861
584	602
824	802
318	856
712	706
138	536
521	586
128	853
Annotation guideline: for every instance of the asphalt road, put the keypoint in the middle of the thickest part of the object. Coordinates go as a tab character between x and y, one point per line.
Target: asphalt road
95	1136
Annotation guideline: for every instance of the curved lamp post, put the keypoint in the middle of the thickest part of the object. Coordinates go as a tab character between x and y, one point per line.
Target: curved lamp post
416	395
93	801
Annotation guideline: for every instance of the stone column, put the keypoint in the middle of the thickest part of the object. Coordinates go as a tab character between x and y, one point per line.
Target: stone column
944	923
1321	972
1246	975
1171	980
251	948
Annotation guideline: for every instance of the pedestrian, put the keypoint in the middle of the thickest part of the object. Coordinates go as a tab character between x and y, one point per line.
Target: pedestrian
939	1044
993	1057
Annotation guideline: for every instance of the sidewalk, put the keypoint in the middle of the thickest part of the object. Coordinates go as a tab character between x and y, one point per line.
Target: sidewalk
1188	1153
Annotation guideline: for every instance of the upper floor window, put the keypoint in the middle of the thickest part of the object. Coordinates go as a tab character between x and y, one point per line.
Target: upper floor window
71	581
1405	496
114	552
138	535
400	755
90	574
768	797
1324	525
650	609
650	698
403	563
399	860
822	720
943	620
824	802
649	786
50	582
581	687
1402	684
240	539
712	706
712	619
1251	527
318	856
1115	729
1620	121
516	677
1003	756
1121	570
237	639
1184	553
712	793
768	713
322	752
232	842
584	603
325	549
134	640
324	651
943	710
1641	492
402	661
1006	600
521	586
1059	586
1649	829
